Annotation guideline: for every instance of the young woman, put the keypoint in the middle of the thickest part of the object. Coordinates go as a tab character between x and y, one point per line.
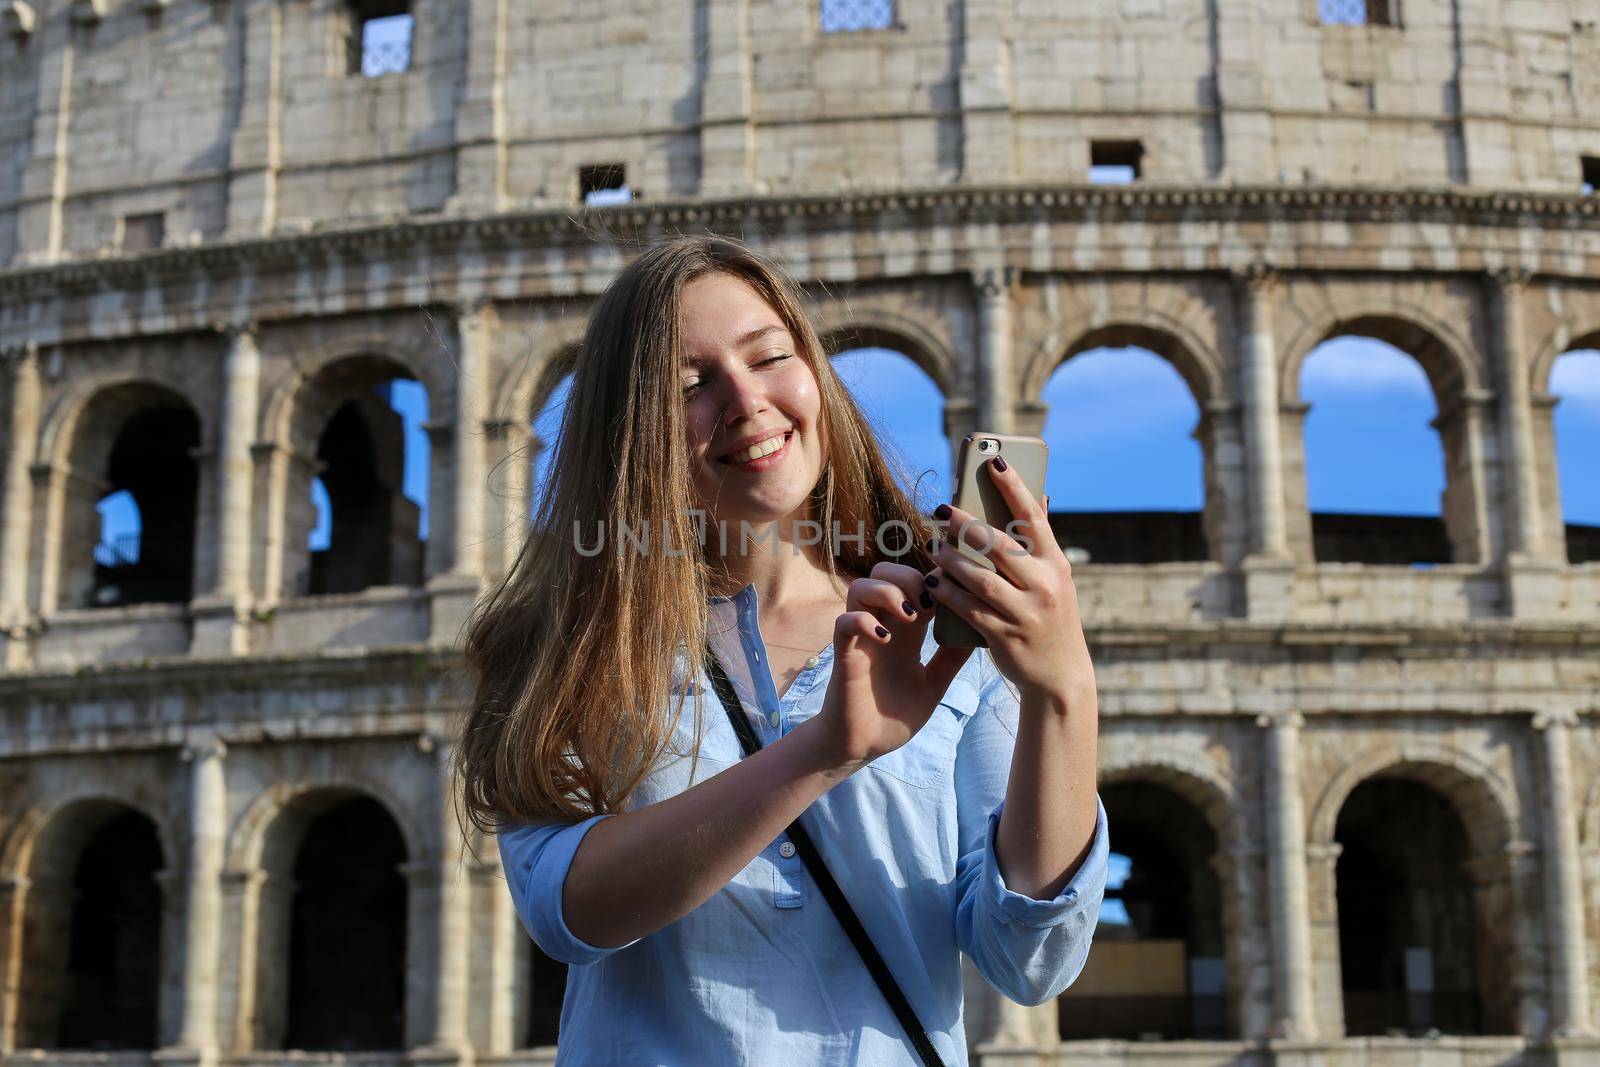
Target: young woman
707	459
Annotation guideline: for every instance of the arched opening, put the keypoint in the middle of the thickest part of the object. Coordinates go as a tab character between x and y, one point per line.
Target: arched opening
91	943
1575	384
547	987
331	956
1127	473
362	511
347	927
1410	907
903	405
1158	970
131	494
543	442
1375	467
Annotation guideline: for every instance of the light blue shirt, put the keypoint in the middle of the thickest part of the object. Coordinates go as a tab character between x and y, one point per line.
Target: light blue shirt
762	973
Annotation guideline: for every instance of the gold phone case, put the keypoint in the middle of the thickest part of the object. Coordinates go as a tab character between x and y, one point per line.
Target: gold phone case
977	495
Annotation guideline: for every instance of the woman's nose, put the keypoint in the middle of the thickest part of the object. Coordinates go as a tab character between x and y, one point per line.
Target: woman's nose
744	397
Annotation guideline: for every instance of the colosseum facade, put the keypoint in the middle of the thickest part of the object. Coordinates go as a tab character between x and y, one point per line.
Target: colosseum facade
221	235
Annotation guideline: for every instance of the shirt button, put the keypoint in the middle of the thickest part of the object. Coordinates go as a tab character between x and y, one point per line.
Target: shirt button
773	718
786	849
813	661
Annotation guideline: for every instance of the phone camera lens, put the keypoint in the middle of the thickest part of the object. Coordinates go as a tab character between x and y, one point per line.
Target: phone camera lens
988	445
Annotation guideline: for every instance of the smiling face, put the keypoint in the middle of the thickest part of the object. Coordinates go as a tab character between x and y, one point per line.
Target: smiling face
751	405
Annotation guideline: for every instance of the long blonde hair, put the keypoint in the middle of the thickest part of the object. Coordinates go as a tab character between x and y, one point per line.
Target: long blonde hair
570	660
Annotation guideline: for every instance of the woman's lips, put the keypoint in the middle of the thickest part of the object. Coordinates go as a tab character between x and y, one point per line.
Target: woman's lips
765	462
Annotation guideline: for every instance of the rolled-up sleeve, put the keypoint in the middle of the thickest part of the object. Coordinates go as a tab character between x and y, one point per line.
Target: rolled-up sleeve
536	858
1028	949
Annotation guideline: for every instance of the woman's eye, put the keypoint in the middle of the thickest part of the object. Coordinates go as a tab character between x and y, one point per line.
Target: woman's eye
775	359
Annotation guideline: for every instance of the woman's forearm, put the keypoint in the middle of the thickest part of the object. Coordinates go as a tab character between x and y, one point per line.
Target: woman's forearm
1047	827
640	870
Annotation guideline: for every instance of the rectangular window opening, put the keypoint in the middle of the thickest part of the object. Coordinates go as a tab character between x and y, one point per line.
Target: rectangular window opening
380	37
1591	175
144	233
1115	162
848	16
1355	12
604	184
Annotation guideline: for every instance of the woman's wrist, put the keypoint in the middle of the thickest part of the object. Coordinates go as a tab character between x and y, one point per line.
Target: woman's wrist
821	751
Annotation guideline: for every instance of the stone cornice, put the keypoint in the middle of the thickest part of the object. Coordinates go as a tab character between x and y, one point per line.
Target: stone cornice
425	666
641	221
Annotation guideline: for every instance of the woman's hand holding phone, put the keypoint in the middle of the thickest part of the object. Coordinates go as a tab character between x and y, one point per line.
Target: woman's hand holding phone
880	693
1027	607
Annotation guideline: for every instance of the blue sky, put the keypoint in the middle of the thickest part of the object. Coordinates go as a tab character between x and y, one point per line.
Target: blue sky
1119	429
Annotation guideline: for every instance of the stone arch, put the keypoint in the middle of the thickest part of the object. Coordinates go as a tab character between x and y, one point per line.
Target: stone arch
524	387
59	427
417	358
85	442
1169	337
17	851
1175	341
1186	773
262	851
1484	799
1215	904
1483	806
1438	347
845	325
1557	343
386	548
1471	528
247	838
42	860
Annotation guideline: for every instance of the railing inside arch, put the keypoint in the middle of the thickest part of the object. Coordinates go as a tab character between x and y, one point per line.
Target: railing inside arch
120	551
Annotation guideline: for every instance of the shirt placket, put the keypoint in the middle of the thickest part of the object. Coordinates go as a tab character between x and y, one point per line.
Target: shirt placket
788	869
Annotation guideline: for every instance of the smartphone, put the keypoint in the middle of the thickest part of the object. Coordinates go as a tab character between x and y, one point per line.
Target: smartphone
976	494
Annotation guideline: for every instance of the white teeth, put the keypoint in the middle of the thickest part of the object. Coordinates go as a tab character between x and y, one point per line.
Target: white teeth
756	451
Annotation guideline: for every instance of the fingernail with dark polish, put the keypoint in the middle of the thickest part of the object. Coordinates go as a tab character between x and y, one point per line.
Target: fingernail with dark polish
927	600
931	581
999	463
909	610
882	632
942	511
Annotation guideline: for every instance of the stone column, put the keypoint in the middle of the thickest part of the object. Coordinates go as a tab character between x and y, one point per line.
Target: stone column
208	801
235	466
500	954
481	117
1563	883
474	332
23	398
222	615
42	203
996	411
727	135
1288	905
1474	530
1322	867
1520	464
437	996
1258	361
255	150
985	88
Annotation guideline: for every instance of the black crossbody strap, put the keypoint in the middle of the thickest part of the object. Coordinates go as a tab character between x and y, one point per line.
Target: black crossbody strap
830	888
